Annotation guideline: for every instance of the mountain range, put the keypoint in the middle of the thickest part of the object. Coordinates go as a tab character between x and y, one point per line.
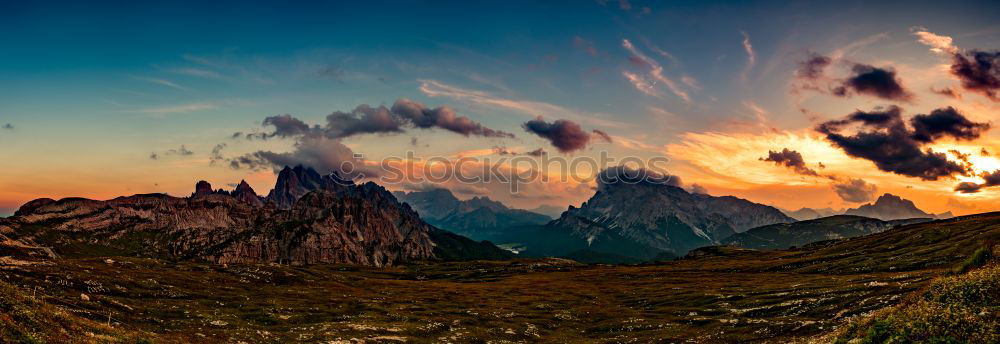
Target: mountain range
478	218
307	218
786	235
640	220
887	207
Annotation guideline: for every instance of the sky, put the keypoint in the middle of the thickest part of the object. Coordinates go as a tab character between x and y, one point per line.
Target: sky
806	104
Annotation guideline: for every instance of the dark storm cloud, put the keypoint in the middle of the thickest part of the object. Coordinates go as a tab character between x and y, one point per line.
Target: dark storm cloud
855	190
286	126
442	117
628	175
790	159
979	71
990	179
884	139
814	67
602	135
567	136
365	119
873	81
945	122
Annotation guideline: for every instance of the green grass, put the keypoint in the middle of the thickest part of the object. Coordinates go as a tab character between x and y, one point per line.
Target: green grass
953	309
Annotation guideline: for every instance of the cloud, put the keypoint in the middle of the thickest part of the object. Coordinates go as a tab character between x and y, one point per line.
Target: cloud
698	189
181	151
197	72
567	136
655	72
625	174
990	179
945	122
7	126
163	82
585	45
884	139
790	159
872	81
814	67
324	154
442	117
751	55
365	119
938	43
949	92
978	71
434	88
216	155
174	109
855	190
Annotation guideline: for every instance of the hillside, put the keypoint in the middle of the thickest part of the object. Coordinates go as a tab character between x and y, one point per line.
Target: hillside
786	235
716	295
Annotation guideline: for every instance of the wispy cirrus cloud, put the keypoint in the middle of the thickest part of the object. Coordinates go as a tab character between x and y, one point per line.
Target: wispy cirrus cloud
162	111
655	73
532	109
162	82
751	55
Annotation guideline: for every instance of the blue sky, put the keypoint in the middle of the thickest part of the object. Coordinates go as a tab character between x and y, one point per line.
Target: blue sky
93	89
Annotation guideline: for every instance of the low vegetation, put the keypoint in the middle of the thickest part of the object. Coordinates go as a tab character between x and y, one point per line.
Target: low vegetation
25	318
718	295
961	308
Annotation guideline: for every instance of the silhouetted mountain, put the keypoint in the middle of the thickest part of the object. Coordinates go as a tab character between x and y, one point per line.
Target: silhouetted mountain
644	220
810	213
335	223
889	207
549	210
785	235
479	218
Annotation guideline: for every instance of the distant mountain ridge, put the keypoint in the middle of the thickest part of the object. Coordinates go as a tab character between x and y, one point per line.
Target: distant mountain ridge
327	221
887	207
786	235
479	218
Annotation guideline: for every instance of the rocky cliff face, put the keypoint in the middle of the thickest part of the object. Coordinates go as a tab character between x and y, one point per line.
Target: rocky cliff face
645	219
293	183
890	207
359	224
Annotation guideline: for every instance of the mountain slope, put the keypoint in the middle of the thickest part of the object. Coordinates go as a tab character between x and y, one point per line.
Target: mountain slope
479	218
359	224
785	235
811	214
889	207
644	220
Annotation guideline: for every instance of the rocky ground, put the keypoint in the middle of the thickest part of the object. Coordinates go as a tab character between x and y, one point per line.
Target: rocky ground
718	294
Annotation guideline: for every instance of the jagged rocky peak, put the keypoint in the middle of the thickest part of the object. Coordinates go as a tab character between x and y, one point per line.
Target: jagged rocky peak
650	209
244	192
295	182
202	188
